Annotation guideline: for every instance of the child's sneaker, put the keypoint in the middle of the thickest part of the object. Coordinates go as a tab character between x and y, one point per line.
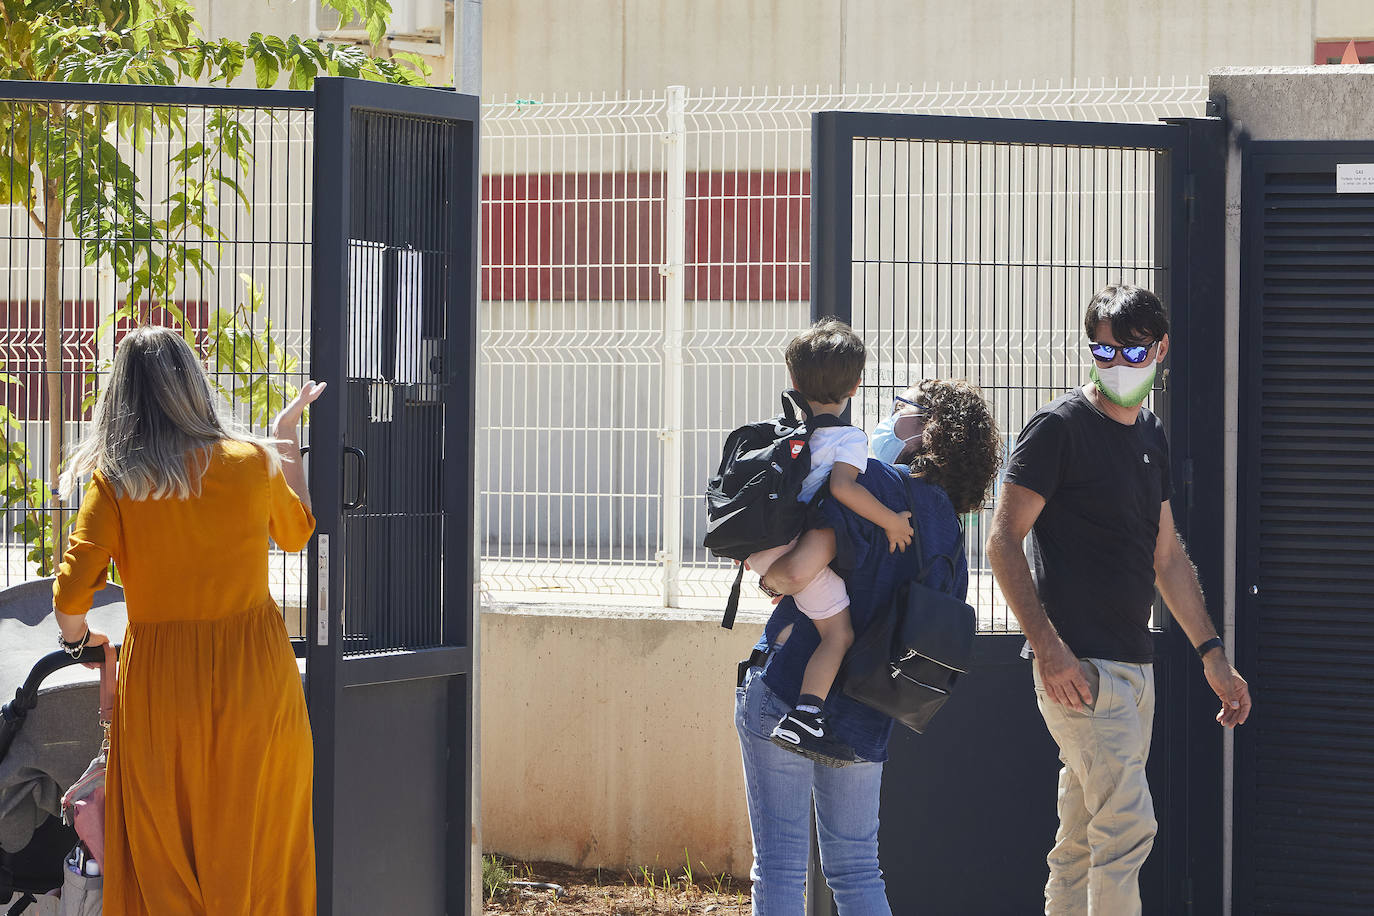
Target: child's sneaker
803	732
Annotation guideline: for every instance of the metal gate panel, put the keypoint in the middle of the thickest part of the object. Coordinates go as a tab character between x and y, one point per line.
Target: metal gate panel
968	247
390	670
1305	764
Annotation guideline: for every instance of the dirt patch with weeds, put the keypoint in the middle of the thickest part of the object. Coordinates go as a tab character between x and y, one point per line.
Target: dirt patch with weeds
512	889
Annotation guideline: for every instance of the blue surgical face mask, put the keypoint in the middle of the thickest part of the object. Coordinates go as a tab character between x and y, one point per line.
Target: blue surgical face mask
884	443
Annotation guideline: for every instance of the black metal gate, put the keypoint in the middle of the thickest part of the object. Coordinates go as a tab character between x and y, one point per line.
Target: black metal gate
390	668
1305	767
968	247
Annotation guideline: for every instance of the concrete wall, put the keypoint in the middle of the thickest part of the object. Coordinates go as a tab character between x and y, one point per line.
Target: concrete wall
608	738
1274	103
551	46
548	46
238	19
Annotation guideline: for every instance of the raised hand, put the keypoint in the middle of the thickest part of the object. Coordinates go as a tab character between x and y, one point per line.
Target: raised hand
285	424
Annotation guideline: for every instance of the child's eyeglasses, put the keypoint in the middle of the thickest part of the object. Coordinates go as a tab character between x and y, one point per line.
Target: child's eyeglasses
1107	352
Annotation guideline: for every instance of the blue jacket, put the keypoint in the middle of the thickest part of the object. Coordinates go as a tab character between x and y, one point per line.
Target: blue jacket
871	576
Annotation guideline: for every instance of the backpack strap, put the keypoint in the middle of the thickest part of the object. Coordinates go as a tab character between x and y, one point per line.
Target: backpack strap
795	408
822	420
731	606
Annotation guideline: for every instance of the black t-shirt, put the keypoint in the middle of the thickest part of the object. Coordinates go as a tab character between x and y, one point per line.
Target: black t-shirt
1093	546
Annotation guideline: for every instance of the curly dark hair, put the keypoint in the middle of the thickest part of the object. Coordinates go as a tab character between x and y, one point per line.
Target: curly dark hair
961	449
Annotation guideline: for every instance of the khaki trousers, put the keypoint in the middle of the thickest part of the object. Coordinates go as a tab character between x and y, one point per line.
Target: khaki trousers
1106	817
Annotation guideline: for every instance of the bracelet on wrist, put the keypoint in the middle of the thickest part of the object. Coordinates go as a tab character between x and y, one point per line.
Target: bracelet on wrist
74	649
1215	642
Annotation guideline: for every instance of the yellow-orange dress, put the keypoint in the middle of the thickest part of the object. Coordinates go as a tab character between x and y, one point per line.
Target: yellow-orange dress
208	786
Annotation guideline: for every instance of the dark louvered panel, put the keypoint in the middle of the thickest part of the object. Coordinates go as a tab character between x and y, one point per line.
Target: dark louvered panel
1307	793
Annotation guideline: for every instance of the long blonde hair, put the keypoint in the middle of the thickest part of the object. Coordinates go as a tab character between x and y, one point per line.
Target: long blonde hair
156	422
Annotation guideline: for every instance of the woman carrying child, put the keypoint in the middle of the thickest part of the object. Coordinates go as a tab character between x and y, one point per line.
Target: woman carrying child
944	443
826	366
208	787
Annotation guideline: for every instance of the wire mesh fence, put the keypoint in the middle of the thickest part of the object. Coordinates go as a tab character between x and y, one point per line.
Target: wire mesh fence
646	259
153	208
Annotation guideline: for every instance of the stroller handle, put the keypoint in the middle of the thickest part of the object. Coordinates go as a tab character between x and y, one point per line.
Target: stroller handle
12	714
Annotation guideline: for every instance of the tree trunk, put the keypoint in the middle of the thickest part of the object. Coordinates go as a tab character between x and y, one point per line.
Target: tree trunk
52	347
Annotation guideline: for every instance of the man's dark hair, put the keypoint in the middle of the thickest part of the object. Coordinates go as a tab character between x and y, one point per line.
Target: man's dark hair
1135	314
826	361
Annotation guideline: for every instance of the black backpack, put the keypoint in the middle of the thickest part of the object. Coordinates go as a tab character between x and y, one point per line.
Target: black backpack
752	501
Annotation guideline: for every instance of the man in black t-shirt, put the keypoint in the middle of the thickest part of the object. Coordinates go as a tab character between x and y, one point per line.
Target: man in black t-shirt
1089	482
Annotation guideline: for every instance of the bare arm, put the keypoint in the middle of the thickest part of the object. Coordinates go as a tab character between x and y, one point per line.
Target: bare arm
285	429
845	486
1176	578
1017	509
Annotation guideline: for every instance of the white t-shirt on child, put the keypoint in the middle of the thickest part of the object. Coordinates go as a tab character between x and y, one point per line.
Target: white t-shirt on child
831	444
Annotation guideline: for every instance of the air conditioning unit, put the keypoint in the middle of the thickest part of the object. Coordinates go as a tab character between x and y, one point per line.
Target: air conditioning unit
408	17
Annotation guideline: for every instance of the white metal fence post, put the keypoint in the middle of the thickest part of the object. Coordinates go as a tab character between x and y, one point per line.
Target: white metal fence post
674	322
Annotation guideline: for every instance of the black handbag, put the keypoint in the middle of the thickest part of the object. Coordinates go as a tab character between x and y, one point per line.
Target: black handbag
906	662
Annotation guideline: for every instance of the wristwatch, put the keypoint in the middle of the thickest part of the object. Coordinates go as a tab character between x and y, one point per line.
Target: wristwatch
1215	642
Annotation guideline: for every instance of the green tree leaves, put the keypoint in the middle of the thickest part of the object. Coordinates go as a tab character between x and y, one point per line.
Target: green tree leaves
158	42
244	355
84	154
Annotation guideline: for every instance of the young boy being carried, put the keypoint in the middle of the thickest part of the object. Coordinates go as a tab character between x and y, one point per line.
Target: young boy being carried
826	364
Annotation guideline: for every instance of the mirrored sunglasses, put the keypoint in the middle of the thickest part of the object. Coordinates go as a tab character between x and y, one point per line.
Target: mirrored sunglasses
1107	352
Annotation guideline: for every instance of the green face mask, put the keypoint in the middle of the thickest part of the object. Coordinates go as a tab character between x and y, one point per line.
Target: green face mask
1125	386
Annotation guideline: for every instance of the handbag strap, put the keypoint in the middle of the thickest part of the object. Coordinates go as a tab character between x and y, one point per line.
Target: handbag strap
915	525
916	539
107	685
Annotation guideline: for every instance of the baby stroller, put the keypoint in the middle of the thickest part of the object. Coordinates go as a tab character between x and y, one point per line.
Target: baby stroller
49	732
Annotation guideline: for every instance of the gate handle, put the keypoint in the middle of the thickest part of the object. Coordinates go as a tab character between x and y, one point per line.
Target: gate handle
362	475
362	478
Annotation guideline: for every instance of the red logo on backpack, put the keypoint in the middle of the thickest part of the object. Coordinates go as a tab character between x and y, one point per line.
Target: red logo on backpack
797	446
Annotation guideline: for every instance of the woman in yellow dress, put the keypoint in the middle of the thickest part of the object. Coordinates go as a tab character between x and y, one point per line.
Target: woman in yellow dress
208	787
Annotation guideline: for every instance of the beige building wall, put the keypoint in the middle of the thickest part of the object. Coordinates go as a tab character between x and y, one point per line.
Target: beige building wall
237	19
551	46
542	47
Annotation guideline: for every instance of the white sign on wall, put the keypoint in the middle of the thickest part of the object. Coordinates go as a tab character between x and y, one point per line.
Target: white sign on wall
1355	178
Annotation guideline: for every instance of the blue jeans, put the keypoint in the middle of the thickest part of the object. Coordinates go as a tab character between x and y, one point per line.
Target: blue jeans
780	786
